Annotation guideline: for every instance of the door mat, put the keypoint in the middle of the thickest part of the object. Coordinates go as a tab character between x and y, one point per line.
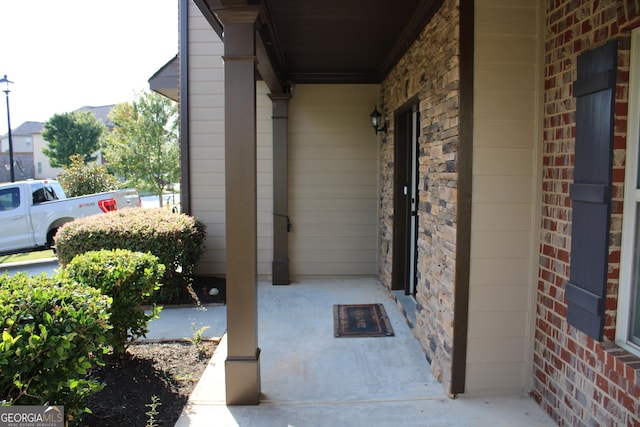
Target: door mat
361	320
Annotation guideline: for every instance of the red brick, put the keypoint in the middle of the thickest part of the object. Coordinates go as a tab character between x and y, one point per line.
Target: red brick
557	362
631	369
561	309
563	255
543	326
572	346
621	109
609	332
619	367
549	251
618	174
610	405
611	303
602	383
591	359
628	402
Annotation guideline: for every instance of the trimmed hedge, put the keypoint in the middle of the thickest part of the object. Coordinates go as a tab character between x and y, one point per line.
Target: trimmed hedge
53	332
128	278
175	238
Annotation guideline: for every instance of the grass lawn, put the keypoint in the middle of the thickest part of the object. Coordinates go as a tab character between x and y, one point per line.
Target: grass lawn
29	256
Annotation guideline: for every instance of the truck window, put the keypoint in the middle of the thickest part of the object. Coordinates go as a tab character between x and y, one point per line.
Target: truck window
9	198
56	190
38	196
46	192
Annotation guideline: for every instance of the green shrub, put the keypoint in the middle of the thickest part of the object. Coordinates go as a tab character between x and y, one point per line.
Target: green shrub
79	179
175	238
128	278
53	332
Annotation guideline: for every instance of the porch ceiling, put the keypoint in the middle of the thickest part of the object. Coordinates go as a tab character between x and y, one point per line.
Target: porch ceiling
333	41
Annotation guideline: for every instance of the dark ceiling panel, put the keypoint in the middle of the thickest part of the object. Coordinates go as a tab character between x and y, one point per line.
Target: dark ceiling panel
341	41
332	41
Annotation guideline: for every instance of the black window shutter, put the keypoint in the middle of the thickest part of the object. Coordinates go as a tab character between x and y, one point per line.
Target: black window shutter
591	191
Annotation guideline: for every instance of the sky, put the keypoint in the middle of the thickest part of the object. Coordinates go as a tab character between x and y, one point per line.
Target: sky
66	54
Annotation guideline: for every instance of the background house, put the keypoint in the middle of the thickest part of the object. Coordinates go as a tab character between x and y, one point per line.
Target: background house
23	143
30	162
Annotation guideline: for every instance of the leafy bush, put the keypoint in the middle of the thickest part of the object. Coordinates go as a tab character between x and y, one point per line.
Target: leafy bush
128	278
53	331
175	238
79	179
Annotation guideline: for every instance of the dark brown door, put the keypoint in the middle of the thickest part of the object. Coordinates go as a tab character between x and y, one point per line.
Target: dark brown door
405	216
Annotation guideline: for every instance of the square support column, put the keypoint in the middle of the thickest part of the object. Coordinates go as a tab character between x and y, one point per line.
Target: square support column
242	367
280	118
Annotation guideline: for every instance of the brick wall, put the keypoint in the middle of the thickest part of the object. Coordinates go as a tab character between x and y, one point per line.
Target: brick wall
430	71
579	381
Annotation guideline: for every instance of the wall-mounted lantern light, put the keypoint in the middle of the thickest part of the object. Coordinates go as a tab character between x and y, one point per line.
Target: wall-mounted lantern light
376	119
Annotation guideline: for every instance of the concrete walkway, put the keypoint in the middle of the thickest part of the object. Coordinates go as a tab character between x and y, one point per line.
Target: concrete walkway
310	378
182	322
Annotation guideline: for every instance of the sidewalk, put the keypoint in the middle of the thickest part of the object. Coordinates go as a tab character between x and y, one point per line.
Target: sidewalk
310	378
178	323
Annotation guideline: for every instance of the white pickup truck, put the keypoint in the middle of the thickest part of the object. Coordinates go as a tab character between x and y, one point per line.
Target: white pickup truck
32	211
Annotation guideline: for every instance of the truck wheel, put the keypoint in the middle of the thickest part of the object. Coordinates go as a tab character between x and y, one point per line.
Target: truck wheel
51	244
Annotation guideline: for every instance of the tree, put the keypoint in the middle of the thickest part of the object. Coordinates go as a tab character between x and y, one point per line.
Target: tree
143	145
79	132
79	178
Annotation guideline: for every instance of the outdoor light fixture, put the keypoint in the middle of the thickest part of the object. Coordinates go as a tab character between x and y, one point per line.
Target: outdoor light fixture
6	91
376	118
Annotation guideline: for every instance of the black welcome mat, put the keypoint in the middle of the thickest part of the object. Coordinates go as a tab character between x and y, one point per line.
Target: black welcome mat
361	320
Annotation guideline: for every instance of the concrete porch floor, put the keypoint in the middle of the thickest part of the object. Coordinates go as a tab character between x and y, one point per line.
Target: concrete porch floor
310	378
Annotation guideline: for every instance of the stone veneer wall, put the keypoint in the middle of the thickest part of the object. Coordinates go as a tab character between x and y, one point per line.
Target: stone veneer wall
429	71
578	380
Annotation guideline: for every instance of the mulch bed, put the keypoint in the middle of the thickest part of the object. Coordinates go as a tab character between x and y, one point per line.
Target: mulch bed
168	370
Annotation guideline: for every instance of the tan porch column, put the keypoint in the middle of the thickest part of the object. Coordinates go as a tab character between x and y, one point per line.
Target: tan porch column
242	367
280	118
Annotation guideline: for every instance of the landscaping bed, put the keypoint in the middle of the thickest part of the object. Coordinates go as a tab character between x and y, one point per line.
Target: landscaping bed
168	370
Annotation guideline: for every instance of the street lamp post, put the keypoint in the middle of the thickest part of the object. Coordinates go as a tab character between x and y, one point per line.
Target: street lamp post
6	93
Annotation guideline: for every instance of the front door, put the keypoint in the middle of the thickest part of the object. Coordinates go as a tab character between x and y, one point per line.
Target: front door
405	228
